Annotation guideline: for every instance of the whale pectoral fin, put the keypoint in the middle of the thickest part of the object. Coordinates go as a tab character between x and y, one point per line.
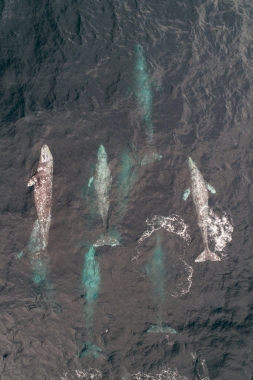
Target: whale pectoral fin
207	255
90	181
129	92
156	83
33	180
186	194
210	188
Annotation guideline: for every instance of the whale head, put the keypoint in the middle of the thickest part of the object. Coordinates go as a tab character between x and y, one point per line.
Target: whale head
102	153
45	154
138	49
191	163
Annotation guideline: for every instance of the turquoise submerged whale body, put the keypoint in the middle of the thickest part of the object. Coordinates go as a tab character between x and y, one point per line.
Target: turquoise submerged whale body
143	89
102	180
125	181
91	282
38	262
156	270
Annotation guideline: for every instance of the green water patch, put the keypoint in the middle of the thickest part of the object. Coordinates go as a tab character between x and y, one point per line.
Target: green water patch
126	179
91	281
143	89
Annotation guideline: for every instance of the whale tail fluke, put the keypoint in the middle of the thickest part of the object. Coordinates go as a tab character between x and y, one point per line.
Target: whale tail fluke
150	158
161	328
90	349
106	240
207	255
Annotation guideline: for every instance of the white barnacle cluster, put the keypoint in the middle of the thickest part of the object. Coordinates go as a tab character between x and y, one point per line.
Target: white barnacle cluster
220	230
102	182
165	374
85	374
43	196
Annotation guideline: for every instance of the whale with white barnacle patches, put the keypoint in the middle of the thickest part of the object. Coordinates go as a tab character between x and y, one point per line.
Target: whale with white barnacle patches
200	198
102	182
43	188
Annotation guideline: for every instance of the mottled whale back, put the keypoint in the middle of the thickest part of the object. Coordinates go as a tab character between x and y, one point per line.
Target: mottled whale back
43	186
200	198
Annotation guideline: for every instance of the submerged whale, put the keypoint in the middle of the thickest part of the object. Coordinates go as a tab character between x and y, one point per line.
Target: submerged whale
43	185
143	89
102	183
200	198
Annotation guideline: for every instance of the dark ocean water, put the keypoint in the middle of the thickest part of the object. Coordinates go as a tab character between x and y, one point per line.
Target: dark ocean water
169	77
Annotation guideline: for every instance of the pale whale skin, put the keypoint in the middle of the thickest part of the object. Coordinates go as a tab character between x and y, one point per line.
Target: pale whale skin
200	199
43	187
102	183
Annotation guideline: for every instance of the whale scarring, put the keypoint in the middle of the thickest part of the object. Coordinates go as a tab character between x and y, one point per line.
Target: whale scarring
43	189
102	183
200	199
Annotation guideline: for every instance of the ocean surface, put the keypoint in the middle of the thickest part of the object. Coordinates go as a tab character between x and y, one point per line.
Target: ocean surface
123	93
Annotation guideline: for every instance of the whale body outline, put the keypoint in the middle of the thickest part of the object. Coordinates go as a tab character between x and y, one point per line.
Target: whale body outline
199	189
43	191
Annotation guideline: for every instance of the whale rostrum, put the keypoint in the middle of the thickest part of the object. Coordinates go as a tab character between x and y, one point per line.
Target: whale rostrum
200	198
43	184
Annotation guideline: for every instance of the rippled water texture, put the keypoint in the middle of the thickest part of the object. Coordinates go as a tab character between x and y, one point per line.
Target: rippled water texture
153	83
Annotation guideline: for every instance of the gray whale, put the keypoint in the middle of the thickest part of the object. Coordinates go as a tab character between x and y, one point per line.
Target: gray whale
43	187
200	198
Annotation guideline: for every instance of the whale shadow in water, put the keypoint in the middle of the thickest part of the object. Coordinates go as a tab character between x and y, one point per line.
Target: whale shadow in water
162	255
38	258
157	272
40	263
